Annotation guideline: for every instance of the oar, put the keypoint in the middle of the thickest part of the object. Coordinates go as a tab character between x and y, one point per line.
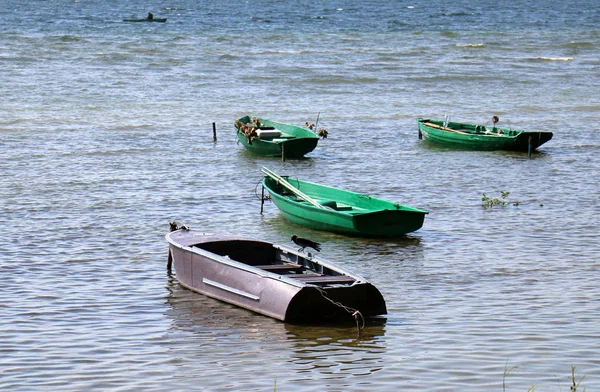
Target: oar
432	125
291	188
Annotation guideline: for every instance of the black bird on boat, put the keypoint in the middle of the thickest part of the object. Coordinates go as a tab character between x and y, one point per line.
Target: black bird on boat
306	243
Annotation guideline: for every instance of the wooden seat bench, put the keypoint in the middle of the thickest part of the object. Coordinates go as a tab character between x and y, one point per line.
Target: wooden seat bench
323	279
280	267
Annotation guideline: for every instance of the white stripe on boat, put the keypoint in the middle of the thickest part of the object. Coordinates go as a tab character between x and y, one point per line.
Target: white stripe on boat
230	289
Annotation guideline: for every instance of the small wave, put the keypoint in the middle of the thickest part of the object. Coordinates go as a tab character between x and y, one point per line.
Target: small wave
575	44
555	58
586	108
260	20
228	56
282	51
470	45
177	38
14	121
448	34
458	13
69	38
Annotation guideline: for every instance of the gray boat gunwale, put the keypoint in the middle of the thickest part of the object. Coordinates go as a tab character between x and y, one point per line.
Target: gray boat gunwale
255	270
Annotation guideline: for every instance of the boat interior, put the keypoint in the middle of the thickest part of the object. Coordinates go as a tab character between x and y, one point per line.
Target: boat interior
328	204
272	133
269	257
471	129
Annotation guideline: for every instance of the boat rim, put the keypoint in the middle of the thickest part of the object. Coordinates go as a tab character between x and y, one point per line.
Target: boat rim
398	205
266	274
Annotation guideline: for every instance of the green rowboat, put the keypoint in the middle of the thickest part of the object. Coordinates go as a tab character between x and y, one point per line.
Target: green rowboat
480	137
326	208
274	139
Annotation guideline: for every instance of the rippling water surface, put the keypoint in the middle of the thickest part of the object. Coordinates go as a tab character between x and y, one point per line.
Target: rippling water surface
106	136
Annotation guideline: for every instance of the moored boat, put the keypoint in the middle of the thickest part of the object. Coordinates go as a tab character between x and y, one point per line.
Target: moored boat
270	138
480	137
326	208
274	280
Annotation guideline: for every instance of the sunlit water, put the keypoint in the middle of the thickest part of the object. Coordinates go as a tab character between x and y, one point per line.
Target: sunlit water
106	136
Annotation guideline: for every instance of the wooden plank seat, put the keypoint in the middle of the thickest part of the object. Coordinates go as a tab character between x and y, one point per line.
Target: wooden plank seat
280	267
334	205
323	279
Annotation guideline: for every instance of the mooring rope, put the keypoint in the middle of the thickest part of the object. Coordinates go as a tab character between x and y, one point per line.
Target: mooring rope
259	197
356	314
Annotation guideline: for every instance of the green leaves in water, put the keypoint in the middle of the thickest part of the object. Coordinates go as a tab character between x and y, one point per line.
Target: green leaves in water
489	202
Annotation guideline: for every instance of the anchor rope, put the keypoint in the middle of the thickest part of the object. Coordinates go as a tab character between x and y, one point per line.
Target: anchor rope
356	314
259	197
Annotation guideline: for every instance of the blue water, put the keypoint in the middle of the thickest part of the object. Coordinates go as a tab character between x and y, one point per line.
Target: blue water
106	136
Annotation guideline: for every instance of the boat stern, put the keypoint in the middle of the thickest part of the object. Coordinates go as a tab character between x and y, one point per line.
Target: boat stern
390	222
315	304
527	141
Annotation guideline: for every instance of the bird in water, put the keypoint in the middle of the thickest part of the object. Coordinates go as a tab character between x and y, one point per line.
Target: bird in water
306	243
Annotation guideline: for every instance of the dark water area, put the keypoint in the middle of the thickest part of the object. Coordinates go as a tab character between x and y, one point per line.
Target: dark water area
106	136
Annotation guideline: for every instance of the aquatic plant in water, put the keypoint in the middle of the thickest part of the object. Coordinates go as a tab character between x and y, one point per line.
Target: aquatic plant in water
489	202
572	388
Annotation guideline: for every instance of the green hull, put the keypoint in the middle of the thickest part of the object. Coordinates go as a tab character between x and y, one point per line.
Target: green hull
347	212
160	20
480	137
292	141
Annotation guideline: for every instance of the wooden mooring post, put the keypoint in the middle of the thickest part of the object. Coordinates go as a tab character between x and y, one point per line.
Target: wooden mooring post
214	131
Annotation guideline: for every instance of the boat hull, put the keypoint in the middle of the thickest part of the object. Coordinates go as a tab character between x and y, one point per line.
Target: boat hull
479	137
292	142
346	212
222	277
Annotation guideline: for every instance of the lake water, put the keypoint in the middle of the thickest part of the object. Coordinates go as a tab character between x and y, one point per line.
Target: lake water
106	136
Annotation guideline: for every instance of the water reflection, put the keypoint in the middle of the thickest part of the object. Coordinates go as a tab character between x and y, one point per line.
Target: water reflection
199	314
277	223
341	334
217	327
409	244
338	351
